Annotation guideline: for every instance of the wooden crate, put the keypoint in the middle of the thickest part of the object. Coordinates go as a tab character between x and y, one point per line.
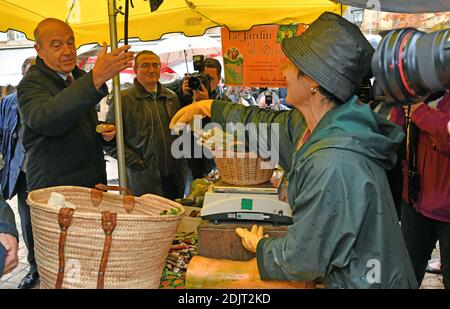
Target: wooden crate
220	241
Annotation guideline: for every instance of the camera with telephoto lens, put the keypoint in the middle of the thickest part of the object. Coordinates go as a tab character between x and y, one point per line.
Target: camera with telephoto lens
410	65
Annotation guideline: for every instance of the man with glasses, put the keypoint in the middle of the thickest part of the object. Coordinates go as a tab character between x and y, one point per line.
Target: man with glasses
147	108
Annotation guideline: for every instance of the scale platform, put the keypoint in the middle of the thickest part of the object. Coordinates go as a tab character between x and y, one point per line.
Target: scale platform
225	202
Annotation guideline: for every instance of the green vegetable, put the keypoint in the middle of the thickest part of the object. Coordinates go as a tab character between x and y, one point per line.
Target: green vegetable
171	212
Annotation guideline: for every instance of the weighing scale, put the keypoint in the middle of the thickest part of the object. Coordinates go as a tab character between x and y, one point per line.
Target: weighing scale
225	202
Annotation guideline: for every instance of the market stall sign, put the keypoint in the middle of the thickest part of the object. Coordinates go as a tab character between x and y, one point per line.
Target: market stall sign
254	58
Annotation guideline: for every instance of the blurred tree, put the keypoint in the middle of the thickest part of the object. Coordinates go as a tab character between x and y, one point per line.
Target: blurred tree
425	21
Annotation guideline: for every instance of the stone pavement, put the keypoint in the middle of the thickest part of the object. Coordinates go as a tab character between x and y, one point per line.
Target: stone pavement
11	280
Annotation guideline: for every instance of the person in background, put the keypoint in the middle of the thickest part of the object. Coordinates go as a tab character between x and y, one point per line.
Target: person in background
14	180
425	214
246	97
213	69
199	167
57	103
147	108
345	231
268	99
283	95
233	92
9	237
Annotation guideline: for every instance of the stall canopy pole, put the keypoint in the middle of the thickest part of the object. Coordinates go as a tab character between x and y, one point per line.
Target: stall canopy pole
185	61
117	98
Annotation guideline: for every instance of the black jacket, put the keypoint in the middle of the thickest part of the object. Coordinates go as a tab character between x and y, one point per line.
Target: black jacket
59	136
147	139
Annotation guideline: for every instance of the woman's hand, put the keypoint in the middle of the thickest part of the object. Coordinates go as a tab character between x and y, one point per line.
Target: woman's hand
251	238
186	114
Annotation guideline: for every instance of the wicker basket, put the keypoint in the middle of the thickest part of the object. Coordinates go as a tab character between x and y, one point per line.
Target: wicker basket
139	243
237	170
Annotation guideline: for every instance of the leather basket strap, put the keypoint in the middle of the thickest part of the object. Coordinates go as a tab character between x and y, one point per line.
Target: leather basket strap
109	221
128	203
105	188
97	196
64	220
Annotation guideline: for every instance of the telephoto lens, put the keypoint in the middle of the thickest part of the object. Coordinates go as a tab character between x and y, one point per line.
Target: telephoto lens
409	64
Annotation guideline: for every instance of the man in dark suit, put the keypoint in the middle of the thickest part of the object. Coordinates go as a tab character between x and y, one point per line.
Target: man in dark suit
57	103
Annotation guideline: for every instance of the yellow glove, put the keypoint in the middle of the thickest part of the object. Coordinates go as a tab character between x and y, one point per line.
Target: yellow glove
251	238
187	113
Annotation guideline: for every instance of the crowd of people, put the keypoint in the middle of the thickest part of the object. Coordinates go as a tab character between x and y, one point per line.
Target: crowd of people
336	150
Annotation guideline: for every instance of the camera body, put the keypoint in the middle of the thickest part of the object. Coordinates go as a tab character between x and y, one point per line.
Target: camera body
197	79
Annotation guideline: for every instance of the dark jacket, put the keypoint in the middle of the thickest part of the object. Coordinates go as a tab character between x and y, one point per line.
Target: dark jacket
433	161
345	232
147	139
11	143
59	135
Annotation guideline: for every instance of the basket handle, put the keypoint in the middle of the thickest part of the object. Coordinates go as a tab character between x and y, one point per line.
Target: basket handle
109	220
64	220
105	188
97	196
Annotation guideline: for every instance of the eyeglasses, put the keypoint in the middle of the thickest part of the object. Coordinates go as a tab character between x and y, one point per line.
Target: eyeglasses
146	65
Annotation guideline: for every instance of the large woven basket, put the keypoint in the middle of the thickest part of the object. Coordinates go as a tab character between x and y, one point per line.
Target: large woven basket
241	169
139	244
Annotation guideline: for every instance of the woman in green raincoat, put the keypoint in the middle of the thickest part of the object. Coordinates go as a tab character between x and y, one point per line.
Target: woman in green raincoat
345	231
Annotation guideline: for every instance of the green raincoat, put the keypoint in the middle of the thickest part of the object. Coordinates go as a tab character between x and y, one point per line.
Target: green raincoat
346	232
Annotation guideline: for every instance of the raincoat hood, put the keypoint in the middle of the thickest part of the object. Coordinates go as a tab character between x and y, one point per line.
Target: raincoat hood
350	126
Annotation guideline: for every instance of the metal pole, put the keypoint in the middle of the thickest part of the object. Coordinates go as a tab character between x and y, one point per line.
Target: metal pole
117	99
185	61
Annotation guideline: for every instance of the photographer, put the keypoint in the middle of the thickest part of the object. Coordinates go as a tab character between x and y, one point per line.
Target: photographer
209	70
425	214
210	67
